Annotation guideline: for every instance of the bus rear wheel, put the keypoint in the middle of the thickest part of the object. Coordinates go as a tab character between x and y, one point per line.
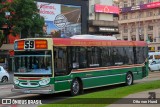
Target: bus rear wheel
129	79
75	87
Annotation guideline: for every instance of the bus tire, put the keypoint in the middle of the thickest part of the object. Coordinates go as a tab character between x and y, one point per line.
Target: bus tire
75	87
129	78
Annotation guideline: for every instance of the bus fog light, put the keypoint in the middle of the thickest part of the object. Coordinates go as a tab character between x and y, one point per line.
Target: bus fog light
16	81
44	81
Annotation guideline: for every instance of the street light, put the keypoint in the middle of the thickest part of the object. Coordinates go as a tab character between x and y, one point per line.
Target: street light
7	15
7	25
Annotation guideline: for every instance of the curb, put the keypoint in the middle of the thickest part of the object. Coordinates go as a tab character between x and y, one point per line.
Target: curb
6	83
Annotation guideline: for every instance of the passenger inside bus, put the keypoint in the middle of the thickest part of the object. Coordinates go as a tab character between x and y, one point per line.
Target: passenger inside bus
35	66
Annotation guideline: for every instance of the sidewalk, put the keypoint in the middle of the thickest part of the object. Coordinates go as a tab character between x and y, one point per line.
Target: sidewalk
137	96
10	77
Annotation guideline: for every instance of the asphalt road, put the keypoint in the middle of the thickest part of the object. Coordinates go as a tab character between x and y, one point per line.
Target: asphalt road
5	92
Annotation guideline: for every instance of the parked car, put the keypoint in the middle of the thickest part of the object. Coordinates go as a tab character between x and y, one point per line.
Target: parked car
154	56
154	66
4	76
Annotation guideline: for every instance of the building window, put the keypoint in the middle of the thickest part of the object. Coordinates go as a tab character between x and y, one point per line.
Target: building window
141	2
133	15
133	29
125	37
150	37
133	37
141	37
121	4
125	30
133	3
150	28
154	39
159	12
149	1
150	13
141	14
125	16
125	4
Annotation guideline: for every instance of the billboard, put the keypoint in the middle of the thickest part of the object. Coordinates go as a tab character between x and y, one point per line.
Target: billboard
140	7
106	9
60	20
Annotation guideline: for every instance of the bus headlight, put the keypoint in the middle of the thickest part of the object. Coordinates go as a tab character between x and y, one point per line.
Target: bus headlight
44	81
16	81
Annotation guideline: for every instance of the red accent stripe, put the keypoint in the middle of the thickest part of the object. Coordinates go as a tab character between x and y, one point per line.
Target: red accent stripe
90	42
29	78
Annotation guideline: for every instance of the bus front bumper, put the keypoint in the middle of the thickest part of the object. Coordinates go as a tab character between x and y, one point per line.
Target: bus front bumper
42	90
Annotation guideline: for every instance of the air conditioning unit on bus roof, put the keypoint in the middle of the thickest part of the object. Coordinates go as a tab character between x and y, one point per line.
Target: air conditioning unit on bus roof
93	37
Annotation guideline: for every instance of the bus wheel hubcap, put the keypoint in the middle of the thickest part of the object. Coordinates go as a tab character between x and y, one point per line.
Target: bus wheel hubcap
129	79
75	87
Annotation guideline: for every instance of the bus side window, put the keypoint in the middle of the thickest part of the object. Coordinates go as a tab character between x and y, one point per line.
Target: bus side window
75	59
60	61
82	58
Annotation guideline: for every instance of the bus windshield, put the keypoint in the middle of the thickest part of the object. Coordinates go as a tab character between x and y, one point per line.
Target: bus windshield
33	62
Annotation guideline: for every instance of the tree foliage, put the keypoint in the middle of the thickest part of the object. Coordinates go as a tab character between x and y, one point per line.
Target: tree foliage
2	13
25	18
3	19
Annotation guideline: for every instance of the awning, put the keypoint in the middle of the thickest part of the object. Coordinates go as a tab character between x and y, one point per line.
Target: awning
7	47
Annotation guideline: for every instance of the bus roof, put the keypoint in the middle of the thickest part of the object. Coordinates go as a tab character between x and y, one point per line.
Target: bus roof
87	36
93	42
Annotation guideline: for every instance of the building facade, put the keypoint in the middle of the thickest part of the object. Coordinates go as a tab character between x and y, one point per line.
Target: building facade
139	21
101	17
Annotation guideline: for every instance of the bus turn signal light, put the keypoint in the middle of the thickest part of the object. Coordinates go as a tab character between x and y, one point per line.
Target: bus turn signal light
20	45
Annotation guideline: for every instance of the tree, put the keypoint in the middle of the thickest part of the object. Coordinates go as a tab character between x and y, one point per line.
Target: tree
3	19
25	18
2	13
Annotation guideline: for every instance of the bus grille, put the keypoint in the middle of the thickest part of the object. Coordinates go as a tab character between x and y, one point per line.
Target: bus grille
29	84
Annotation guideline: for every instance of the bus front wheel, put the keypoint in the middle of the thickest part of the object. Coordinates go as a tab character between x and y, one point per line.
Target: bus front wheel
75	87
129	79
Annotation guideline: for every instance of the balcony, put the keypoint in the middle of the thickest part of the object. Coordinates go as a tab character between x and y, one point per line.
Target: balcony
139	19
103	23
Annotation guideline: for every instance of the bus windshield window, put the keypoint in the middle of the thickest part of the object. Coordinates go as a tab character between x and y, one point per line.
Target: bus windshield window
33	62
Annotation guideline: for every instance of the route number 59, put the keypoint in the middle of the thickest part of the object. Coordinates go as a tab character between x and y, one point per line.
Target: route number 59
29	45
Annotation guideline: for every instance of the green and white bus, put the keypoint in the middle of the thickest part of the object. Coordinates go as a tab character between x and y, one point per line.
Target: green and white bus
52	65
